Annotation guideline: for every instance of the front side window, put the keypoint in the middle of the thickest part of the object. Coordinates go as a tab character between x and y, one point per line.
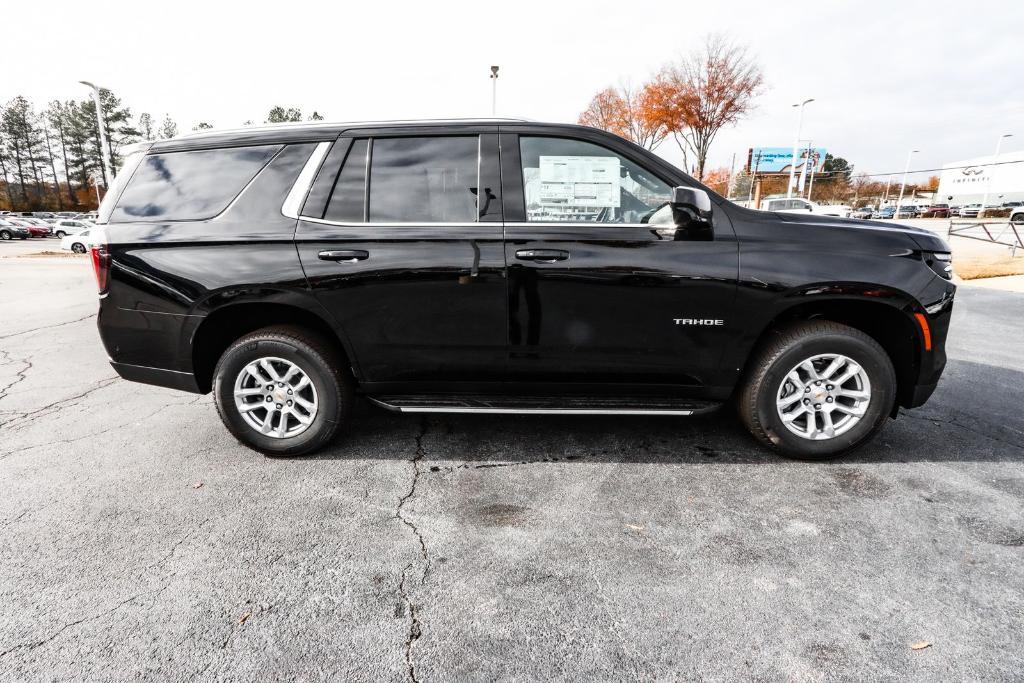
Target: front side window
423	179
194	185
574	181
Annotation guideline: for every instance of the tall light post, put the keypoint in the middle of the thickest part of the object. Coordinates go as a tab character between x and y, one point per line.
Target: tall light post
988	176
796	145
494	91
903	184
108	168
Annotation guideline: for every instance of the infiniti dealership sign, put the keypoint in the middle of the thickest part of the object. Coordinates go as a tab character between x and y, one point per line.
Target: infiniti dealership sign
1002	178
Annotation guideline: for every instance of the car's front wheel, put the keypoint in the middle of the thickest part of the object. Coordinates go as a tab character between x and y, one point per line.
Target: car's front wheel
78	248
817	389
282	391
5	235
61	234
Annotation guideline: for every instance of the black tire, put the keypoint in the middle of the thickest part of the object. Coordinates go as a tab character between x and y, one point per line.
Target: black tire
5	235
316	357
783	351
78	248
61	234
1017	219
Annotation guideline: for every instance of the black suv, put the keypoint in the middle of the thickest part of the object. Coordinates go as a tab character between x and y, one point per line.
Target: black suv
502	266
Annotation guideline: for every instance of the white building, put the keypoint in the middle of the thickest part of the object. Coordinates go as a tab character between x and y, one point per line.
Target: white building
966	182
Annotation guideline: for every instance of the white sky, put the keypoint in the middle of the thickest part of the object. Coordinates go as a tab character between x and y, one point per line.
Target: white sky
943	77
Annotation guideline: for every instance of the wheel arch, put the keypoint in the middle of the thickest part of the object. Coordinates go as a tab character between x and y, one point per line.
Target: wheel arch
888	320
218	329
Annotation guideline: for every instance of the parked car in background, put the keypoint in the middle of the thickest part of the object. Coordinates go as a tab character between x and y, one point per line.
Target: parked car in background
970	210
33	226
1010	205
907	212
1016	215
70	226
863	212
884	212
798	205
936	211
81	242
10	231
86	216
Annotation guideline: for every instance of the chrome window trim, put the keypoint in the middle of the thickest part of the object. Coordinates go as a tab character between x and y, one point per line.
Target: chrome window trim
411	224
297	196
553	224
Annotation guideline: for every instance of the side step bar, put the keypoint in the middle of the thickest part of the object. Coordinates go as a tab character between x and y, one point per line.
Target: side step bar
533	405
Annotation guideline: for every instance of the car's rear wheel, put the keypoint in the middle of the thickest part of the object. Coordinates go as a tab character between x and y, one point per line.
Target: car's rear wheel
282	391
817	389
78	248
5	235
1018	218
61	234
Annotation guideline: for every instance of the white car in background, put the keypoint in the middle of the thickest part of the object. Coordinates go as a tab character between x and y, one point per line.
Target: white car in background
798	205
80	242
68	226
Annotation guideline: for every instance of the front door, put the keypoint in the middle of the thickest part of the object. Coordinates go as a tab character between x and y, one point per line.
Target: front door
401	240
597	293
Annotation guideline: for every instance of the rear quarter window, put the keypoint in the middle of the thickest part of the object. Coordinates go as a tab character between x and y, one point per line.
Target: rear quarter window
194	185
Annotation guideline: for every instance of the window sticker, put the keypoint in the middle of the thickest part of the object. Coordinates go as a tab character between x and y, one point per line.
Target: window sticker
579	182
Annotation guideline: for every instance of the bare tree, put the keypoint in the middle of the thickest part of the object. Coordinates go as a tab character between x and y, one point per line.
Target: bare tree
627	113
712	87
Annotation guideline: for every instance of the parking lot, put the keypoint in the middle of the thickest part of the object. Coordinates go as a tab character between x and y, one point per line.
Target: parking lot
138	539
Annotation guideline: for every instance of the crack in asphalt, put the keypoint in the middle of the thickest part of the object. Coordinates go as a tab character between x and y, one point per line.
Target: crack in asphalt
31	645
4	455
20	375
414	623
47	327
24	418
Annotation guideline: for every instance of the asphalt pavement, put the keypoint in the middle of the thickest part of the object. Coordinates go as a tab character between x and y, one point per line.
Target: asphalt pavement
139	540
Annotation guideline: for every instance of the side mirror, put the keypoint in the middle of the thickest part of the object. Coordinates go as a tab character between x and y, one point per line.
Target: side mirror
690	207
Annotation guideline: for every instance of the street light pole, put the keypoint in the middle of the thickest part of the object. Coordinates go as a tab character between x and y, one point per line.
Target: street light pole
796	145
494	91
104	147
904	183
988	177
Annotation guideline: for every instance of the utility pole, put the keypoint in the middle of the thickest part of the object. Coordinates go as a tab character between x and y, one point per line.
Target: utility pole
904	183
108	169
796	145
988	176
494	91
753	179
803	170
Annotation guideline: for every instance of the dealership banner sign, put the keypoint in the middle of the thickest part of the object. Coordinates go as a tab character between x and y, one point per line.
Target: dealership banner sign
779	159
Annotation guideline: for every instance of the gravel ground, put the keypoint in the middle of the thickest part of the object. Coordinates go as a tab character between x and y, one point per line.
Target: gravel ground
137	539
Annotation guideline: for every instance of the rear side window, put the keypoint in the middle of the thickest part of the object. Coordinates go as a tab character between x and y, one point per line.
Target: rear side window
423	179
349	194
182	186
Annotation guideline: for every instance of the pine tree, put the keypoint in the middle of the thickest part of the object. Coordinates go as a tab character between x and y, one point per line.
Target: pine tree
146	126
24	146
57	114
116	125
168	129
282	115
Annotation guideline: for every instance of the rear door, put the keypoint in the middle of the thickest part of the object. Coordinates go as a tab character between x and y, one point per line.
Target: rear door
599	291
401	240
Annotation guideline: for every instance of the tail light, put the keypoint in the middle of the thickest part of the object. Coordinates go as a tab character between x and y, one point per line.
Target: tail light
101	265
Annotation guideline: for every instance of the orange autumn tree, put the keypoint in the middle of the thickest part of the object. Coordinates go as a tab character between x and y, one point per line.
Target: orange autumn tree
718	180
694	98
627	113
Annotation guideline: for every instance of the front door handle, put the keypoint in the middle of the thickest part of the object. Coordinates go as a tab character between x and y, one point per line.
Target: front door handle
344	255
542	255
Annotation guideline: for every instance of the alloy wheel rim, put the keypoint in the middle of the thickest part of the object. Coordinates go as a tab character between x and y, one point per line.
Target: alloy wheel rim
276	397
823	396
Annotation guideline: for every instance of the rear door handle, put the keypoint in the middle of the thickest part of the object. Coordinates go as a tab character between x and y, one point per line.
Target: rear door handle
344	255
542	255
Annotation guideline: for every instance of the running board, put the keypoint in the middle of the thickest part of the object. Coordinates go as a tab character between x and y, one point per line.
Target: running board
547	405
